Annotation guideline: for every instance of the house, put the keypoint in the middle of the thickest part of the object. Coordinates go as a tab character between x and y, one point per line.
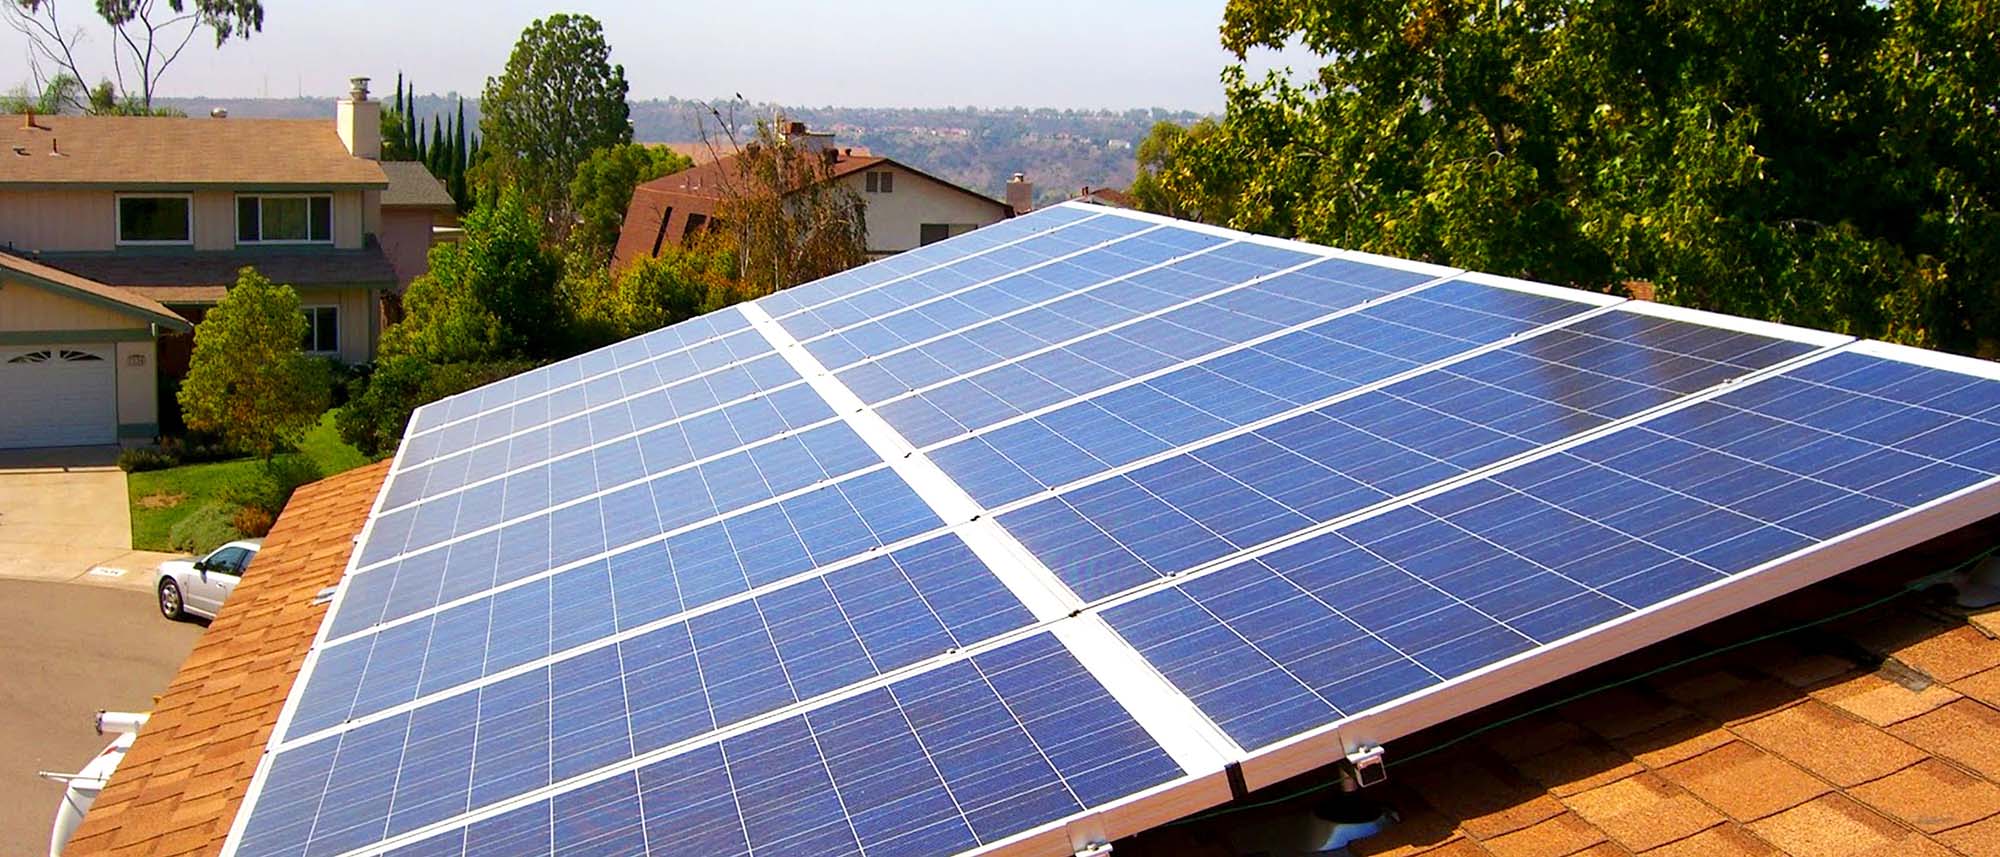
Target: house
1110	196
906	208
158	215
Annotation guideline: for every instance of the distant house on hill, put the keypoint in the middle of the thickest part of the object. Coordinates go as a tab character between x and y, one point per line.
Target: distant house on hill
120	232
906	208
1110	196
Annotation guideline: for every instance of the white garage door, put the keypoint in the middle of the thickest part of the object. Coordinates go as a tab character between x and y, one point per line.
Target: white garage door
57	395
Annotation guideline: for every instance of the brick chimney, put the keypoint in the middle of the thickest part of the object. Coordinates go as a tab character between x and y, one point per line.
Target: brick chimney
1020	194
359	120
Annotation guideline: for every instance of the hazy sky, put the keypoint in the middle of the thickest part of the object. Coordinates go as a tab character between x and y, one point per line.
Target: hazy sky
1041	53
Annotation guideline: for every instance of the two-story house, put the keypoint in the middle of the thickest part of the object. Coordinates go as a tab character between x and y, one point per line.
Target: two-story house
904	207
119	233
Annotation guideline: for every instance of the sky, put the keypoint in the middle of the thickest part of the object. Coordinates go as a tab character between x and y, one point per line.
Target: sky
849	53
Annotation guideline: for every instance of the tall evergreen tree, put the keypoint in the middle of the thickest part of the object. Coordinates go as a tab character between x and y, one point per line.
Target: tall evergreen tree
438	146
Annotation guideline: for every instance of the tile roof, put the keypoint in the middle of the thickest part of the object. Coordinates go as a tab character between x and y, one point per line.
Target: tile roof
1874	734
177	790
144	306
411	185
156	152
143	272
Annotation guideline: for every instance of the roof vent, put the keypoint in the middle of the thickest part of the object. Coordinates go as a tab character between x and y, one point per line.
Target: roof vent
218	113
30	124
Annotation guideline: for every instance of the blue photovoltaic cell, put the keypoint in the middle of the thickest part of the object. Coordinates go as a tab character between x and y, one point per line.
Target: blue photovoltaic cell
1172	515
1167	338
707	563
1375	610
957	275
901	265
1187	404
948	760
1014	295
846	625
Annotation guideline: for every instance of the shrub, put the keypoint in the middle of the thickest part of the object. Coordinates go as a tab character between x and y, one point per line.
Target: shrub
140	459
376	416
203	530
272	487
253	523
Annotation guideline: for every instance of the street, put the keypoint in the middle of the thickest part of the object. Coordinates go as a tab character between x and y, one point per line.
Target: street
70	650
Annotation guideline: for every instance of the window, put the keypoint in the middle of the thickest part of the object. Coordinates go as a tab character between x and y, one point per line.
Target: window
284	219
155	219
229	560
322	330
881	181
57	356
932	233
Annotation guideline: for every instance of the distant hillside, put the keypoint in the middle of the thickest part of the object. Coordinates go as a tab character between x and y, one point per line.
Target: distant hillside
1060	150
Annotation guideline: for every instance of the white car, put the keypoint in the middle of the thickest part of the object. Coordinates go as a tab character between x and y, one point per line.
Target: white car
199	586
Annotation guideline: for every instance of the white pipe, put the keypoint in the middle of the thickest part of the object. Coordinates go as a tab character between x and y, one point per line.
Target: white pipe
122	722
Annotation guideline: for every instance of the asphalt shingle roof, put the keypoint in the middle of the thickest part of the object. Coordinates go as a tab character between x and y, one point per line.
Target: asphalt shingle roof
148	152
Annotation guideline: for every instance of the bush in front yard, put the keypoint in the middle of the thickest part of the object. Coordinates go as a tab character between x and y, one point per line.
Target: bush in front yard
379	409
204	530
251	522
272	487
140	459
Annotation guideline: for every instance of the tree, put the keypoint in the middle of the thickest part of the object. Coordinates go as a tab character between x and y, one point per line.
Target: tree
1830	163
1170	180
61	93
250	380
785	218
602	189
489	296
559	99
147	36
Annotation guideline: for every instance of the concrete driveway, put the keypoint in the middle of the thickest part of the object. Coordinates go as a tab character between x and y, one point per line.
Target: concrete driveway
64	516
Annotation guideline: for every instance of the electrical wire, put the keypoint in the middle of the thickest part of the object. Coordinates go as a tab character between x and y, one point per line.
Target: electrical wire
1914	586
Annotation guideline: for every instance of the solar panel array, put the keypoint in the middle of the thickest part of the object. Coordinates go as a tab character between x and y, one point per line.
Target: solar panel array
1019	540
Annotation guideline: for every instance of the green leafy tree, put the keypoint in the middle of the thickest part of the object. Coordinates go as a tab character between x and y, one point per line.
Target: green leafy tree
60	94
250	380
489	296
559	99
147	37
1830	163
785	219
1170	180
602	189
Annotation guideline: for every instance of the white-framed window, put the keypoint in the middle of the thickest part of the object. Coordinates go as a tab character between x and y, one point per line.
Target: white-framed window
155	218
322	330
284	219
880	181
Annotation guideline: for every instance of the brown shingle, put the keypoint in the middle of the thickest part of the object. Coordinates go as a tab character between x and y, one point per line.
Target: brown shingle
201	277
1880	701
178	788
1984	687
1643	811
45	276
1831	744
1836	826
1557	837
1966	732
154	152
1932	796
1485	800
1947	655
1726	840
1745	782
1975	840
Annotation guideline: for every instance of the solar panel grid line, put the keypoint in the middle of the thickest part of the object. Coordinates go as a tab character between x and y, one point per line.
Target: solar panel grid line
1294	412
1595	645
658	389
692	345
714	737
1435	489
1112	329
649	477
422	421
1366	258
1107	245
1189	741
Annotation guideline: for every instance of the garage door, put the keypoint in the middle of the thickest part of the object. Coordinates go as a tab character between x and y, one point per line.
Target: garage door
57	395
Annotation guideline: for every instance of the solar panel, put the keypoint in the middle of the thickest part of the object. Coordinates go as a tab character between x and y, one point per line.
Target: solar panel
1020	541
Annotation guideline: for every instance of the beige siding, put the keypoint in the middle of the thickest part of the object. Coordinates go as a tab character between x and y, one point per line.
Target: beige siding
348	219
24	307
214	220
58	220
357	311
138	380
895	219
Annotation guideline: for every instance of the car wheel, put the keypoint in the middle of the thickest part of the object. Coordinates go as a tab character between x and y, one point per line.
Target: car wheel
170	599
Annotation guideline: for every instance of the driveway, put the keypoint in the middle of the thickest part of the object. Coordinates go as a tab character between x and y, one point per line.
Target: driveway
70	650
64	516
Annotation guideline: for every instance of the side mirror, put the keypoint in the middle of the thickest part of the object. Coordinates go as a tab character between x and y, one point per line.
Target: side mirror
201	565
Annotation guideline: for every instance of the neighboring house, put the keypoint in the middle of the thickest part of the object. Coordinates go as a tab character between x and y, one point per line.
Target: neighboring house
1108	196
417	212
77	358
163	212
906	208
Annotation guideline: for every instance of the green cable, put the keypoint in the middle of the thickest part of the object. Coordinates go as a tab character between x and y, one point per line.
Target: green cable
1917	585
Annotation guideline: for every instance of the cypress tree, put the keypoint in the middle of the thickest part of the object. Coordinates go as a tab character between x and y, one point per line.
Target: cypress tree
438	146
411	132
460	155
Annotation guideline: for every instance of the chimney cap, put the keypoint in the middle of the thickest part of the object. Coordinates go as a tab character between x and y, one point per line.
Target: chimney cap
358	88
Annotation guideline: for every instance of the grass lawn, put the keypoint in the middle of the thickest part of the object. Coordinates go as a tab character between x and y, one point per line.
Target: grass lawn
162	498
